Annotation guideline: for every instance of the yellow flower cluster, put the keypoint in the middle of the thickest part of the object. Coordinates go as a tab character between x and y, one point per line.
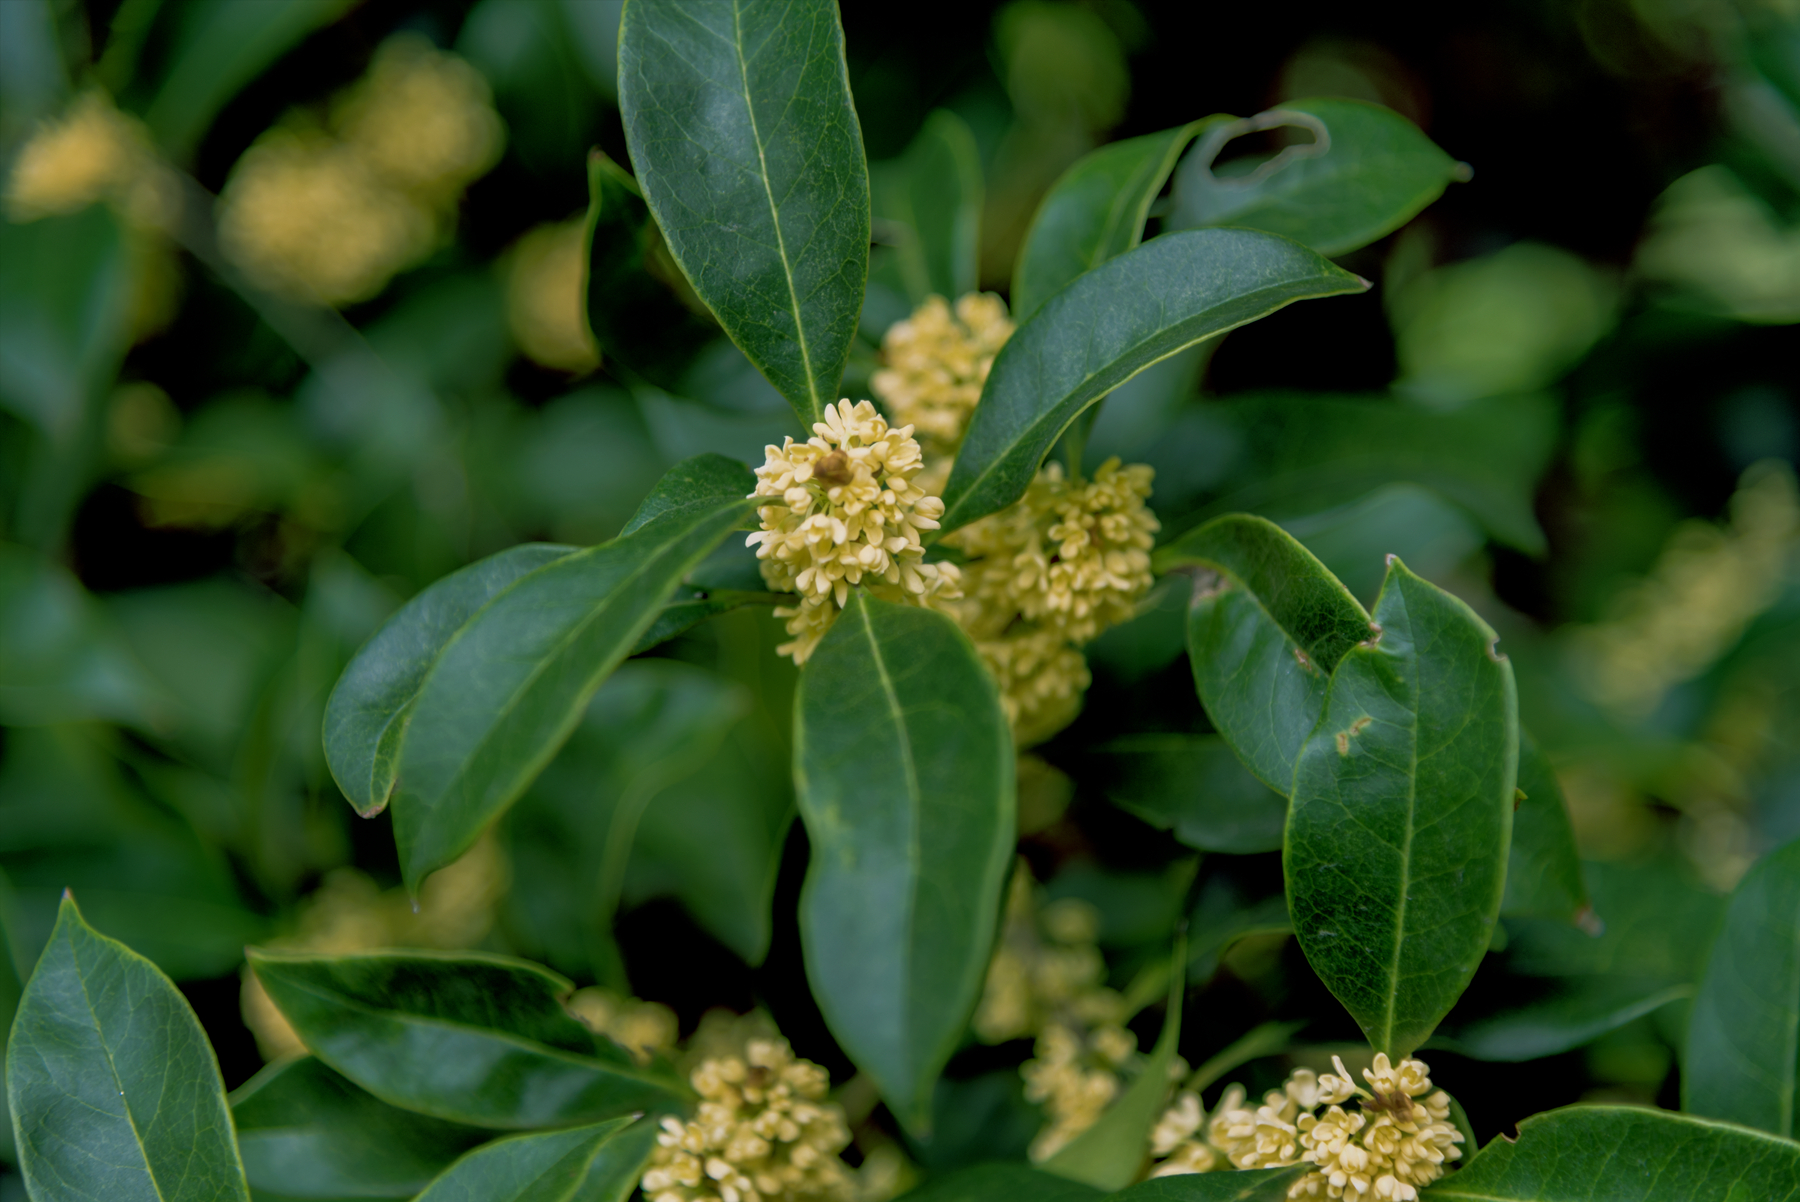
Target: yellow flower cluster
841	510
936	365
543	298
1046	979
351	913
1049	573
1396	1141
762	1133
93	152
645	1029
1705	588
332	216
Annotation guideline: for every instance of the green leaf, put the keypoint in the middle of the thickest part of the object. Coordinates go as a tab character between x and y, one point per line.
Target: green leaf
1375	172
1110	1153
1094	212
308	1132
1656	921
1743	1042
1264	1040
1222	915
1196	786
366	717
114	1091
904	765
1243	1185
599	1163
223	45
633	295
1545	1018
1002	1183
1267	625
1626	1154
1401	814
748	150
1108	326
930	203
470	1038
512	683
1543	867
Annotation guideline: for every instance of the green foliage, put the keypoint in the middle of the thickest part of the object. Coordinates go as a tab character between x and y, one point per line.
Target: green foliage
751	159
113	1088
929	204
537	652
1402	812
1255	1185
1195	786
1003	1183
599	1163
1543	869
481	1040
1743	1045
1627	1154
904	768
1120	318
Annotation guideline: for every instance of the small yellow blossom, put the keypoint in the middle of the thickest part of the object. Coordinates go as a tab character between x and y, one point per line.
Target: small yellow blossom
645	1029
841	510
93	152
762	1133
936	365
543	298
1041	678
330	215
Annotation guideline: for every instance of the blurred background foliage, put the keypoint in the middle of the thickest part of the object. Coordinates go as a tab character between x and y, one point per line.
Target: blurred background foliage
290	326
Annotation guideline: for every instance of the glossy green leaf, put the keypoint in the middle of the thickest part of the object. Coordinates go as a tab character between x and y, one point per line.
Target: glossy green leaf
470	1038
1544	1018
1402	811
1543	866
1110	1153
221	46
512	683
930	205
366	717
598	1163
1112	323
114	1090
634	294
748	150
1002	1183
1196	786
1267	624
1375	173
1743	1049
1626	1154
904	765
1242	1185
1655	921
308	1132
1094	212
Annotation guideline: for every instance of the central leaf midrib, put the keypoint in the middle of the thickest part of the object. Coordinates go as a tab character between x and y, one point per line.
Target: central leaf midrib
913	794
463	769
1412	799
112	1067
762	161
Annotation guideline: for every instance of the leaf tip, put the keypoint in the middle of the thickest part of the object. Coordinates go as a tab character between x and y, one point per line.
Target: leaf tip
1589	922
1462	172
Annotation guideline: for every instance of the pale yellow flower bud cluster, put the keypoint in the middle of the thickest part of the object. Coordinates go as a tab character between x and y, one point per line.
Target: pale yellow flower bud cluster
92	152
1396	1141
1048	574
1707	585
645	1029
1047	979
936	364
331	216
762	1133
842	510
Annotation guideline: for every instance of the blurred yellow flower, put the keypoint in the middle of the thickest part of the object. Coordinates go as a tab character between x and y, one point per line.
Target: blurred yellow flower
645	1029
330	216
543	298
842	510
936	365
92	152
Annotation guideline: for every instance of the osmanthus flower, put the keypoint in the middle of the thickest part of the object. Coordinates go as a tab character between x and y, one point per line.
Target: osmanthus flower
842	510
936	362
645	1029
1395	1138
92	152
763	1132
